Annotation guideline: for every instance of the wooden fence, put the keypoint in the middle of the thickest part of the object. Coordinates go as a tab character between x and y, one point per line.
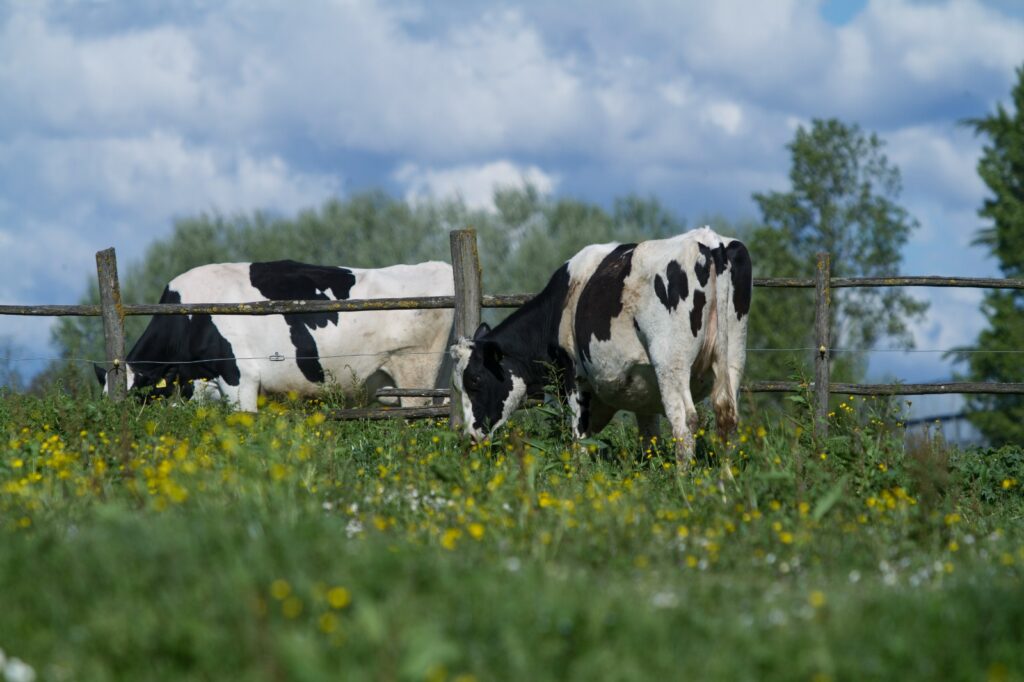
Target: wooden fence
467	303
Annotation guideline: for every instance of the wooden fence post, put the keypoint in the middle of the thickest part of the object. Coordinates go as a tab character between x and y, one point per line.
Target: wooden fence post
466	270
823	294
113	322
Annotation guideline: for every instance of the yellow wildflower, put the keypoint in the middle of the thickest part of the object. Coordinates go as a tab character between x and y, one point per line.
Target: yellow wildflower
339	597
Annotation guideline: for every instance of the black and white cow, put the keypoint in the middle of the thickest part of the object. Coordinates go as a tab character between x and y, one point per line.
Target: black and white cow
631	326
229	356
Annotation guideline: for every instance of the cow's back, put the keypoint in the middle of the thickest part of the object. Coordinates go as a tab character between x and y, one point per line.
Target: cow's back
316	348
216	283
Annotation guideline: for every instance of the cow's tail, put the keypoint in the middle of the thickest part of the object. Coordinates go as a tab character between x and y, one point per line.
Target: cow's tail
736	286
723	392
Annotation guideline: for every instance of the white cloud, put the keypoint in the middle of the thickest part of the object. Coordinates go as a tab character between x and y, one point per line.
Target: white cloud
903	60
57	81
939	160
473	184
160	174
947	41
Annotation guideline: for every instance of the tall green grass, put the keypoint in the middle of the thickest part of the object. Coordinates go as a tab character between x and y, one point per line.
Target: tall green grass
186	542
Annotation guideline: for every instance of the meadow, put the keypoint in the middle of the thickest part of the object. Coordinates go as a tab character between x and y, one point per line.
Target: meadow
185	542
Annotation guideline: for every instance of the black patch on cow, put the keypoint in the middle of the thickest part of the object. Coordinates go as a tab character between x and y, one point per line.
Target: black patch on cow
678	287
583	426
524	344
659	290
703	268
528	343
564	369
288	280
697	312
601	299
742	277
487	382
179	349
528	335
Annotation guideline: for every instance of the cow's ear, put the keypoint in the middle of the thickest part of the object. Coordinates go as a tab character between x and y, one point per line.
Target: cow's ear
481	331
493	356
101	374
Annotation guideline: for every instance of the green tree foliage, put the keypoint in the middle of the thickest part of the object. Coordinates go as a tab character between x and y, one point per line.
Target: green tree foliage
1001	166
843	200
521	244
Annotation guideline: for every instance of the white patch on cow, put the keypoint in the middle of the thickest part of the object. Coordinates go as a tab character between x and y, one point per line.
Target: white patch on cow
130	380
461	351
576	409
512	402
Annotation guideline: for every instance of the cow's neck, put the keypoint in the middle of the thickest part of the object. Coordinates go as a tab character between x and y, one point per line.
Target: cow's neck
531	333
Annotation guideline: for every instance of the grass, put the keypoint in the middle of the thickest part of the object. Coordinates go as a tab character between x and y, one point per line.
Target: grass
186	542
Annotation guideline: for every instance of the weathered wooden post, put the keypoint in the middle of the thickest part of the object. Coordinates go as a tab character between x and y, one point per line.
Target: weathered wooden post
466	270
823	354
113	322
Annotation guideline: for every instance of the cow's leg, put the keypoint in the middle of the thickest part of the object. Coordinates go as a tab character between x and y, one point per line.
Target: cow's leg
589	415
579	401
376	381
600	414
242	397
206	391
413	371
672	362
649	427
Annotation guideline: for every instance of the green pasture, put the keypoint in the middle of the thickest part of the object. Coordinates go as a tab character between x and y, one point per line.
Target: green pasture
183	542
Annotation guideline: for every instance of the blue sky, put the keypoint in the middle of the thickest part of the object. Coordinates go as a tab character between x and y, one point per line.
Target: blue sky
119	116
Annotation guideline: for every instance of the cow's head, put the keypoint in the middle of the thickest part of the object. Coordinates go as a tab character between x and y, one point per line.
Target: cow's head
159	386
491	382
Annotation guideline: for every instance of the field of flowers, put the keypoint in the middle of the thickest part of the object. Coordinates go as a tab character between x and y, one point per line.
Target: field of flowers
186	542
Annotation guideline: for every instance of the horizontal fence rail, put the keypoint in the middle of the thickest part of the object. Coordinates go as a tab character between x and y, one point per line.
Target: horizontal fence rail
265	307
922	281
376	413
434	302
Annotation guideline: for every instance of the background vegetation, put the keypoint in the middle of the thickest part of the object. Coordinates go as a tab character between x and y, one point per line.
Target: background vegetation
1001	167
843	199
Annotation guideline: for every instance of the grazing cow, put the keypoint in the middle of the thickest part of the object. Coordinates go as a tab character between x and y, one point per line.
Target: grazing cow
239	356
629	326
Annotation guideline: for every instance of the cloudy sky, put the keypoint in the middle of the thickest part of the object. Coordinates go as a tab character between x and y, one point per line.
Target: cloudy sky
118	116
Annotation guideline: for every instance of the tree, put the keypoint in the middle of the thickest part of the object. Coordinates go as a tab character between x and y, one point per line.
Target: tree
843	200
1001	167
521	244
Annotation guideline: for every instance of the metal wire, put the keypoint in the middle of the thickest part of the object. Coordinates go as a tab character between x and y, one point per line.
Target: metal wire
270	358
970	351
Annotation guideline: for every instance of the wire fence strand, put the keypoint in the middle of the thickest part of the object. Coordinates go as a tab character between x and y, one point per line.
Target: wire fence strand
278	357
